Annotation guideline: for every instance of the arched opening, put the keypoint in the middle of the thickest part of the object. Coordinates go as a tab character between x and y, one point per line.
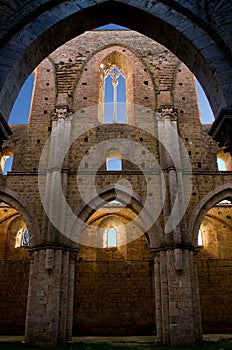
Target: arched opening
117	83
6	160
110	240
114	94
214	267
224	161
114	161
115	294
14	271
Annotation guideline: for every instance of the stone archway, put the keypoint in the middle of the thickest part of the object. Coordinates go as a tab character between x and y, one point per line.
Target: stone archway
194	36
213	217
114	293
15	220
213	197
14	200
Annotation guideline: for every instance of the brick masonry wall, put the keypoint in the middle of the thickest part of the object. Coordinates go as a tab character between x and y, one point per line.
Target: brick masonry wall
114	293
215	280
14	279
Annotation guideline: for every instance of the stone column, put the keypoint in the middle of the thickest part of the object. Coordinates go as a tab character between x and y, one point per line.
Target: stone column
48	319
179	296
178	317
51	285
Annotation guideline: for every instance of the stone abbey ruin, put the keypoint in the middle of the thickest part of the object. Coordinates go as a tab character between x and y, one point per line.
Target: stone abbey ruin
115	219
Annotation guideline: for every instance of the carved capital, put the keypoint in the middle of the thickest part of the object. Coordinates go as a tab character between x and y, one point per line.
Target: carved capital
61	113
167	112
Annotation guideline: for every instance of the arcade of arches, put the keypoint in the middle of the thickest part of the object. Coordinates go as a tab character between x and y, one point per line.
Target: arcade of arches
116	268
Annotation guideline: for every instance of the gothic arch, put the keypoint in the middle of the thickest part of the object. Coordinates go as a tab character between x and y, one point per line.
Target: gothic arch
125	58
13	199
109	193
213	197
38	30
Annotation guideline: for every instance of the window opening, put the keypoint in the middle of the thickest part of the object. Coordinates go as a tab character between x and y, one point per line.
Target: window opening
6	164
114	160
114	164
200	241
221	164
112	237
22	238
114	95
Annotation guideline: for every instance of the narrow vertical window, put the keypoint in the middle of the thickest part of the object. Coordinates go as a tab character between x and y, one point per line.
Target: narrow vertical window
112	238
114	95
200	241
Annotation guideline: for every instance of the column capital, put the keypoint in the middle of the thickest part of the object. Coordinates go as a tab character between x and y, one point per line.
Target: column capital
62	112
221	129
166	112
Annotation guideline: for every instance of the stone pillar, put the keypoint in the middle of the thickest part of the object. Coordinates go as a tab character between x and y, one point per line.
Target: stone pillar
178	317
48	320
176	270
51	284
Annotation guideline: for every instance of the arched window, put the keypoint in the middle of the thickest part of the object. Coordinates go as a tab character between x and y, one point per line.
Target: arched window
114	161
6	160
114	95
224	161
22	238
221	164
111	237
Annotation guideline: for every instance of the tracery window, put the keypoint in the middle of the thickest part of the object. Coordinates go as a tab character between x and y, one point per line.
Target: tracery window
114	95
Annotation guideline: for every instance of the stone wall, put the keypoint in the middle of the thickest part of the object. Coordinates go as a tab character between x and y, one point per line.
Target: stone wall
14	279
215	281
114	293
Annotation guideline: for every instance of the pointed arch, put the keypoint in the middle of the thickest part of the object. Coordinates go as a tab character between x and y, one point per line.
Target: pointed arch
109	193
212	198
10	197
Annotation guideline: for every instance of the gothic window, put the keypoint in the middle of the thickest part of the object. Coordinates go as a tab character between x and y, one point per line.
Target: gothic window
111	237
114	95
22	238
